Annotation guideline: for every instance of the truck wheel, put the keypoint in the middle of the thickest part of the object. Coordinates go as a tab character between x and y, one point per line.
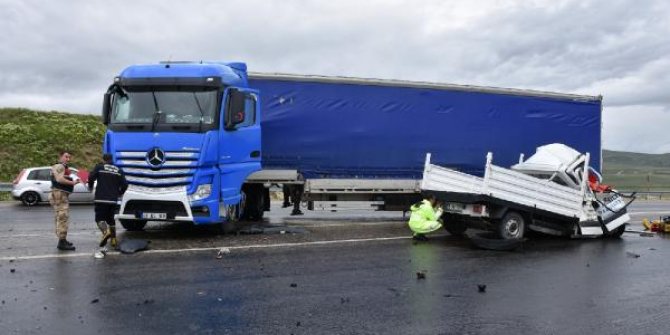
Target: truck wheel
30	198
454	226
254	208
133	225
231	224
616	233
512	226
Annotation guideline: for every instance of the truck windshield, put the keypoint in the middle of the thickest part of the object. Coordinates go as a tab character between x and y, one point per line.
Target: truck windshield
166	107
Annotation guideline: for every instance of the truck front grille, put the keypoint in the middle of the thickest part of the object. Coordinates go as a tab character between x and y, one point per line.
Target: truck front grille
177	169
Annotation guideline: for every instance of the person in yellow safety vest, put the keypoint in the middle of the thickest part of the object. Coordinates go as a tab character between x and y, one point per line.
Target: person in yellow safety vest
425	218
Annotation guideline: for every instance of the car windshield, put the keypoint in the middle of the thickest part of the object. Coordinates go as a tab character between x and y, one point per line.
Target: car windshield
166	106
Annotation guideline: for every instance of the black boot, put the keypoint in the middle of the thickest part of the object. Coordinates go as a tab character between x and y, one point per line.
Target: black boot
420	237
63	245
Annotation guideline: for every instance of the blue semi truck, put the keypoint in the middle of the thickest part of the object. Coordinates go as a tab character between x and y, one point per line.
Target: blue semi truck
204	141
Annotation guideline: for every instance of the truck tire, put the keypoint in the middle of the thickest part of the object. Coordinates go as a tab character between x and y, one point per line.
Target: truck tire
232	223
453	225
616	233
512	226
30	198
133	225
254	207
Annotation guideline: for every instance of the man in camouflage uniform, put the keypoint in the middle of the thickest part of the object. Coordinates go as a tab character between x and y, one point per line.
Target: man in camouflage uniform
61	187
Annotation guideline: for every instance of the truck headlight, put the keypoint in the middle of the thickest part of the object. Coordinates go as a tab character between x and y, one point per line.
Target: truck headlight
203	191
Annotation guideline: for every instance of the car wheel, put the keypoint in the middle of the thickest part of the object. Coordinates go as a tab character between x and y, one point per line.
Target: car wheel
30	198
512	226
133	225
617	232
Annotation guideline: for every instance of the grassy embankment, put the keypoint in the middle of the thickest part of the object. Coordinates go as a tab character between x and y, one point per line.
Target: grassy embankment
32	138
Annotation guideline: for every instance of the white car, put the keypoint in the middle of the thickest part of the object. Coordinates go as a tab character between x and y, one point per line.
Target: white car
33	185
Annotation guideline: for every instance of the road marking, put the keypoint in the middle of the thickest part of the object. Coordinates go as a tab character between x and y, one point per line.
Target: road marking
241	247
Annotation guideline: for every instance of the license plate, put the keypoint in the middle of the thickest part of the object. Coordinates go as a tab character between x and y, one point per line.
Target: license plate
154	216
611	207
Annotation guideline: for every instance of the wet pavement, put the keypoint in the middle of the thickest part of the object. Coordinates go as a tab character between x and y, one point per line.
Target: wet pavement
335	273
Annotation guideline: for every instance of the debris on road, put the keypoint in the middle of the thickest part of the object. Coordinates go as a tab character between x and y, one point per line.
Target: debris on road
481	288
222	251
95	301
661	225
490	241
421	275
272	229
12	270
128	246
294	285
632	254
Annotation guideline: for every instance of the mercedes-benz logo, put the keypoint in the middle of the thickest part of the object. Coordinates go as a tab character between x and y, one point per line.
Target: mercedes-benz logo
156	157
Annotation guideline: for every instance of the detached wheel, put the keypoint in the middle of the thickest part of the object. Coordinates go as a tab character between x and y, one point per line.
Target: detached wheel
133	225
512	226
453	225
616	233
30	198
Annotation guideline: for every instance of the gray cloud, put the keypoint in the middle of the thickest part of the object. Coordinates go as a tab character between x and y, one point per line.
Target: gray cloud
62	55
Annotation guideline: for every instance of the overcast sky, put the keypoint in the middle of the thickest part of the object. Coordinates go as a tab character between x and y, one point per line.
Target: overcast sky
62	55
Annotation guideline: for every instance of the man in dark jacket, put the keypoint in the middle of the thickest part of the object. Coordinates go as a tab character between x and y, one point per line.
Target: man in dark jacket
111	185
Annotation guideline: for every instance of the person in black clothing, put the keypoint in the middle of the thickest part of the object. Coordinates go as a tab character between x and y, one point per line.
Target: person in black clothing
111	185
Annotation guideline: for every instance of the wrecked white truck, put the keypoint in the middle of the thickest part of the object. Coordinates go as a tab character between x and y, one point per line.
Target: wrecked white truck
554	192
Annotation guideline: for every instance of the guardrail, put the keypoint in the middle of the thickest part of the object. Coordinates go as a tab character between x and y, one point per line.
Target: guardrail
5	187
650	195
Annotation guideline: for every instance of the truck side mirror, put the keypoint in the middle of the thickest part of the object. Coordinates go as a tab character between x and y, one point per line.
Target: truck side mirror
107	101
235	113
106	106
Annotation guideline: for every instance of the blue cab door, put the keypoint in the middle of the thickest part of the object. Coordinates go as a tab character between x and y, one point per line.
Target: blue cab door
239	141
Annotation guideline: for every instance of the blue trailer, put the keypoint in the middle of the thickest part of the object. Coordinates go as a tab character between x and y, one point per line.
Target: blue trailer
203	141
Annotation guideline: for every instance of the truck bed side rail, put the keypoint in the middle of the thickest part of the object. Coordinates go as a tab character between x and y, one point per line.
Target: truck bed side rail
507	185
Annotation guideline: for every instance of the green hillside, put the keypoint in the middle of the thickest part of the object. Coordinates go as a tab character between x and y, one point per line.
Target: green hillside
34	138
636	171
31	138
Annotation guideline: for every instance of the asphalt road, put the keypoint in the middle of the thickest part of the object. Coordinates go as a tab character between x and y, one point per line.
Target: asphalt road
334	273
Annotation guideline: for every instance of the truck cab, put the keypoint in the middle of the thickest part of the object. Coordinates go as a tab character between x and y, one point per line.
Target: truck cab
187	136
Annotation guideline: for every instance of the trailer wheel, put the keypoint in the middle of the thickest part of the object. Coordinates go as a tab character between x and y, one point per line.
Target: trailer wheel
133	225
454	226
616	233
512	226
